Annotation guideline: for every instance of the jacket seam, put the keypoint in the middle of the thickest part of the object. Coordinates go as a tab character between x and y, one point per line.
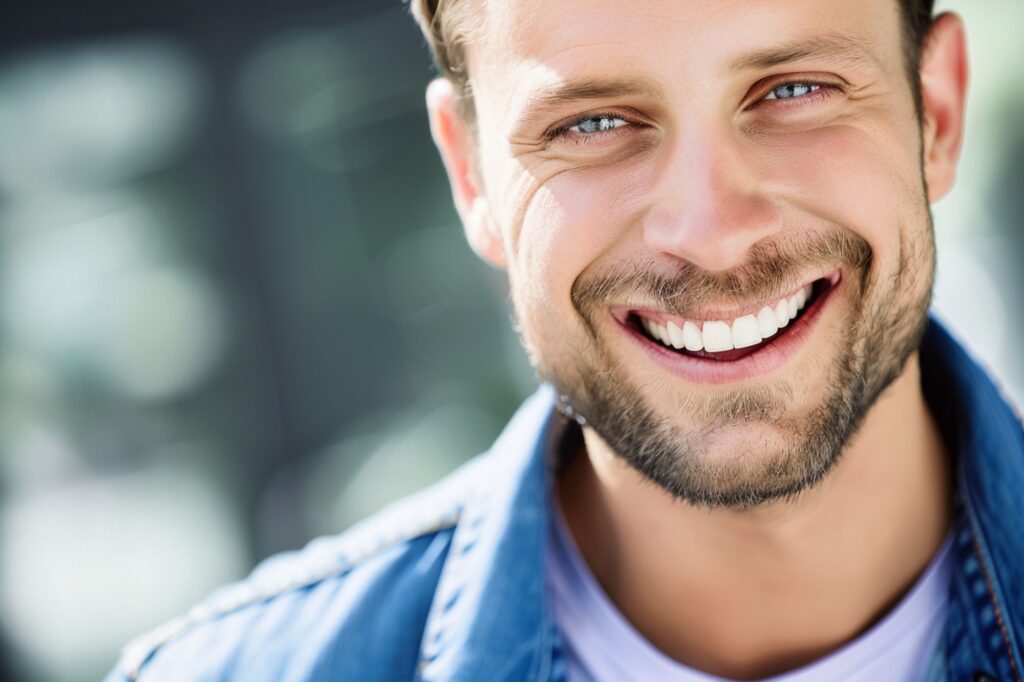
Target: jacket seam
980	545
136	655
977	540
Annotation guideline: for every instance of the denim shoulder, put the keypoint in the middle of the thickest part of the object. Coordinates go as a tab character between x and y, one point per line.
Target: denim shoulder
351	606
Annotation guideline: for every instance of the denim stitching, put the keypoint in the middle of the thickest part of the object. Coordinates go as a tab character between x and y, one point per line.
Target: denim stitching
978	544
138	652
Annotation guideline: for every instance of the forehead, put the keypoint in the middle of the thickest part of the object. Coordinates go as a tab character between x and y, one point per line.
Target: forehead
525	45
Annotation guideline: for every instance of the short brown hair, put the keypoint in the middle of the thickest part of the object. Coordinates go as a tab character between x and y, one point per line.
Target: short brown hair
445	25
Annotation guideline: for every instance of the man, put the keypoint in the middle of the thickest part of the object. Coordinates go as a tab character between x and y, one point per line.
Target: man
767	461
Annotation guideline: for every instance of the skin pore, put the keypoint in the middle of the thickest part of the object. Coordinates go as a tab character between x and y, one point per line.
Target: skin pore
699	158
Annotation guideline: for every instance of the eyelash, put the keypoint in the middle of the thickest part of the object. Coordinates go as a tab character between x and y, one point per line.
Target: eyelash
825	90
563	132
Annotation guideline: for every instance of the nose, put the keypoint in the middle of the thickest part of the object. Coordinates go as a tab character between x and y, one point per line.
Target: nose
708	204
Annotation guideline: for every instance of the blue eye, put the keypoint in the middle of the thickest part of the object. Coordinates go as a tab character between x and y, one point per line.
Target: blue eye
792	90
598	124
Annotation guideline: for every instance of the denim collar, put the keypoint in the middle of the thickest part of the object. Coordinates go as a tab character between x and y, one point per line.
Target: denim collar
490	619
986	619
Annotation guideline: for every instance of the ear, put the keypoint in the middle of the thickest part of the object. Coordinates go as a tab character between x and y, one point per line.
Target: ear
454	140
944	95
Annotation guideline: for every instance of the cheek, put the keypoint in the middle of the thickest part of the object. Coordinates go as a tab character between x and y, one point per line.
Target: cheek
570	223
867	183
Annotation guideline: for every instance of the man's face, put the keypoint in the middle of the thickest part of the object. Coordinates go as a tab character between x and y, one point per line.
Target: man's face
702	163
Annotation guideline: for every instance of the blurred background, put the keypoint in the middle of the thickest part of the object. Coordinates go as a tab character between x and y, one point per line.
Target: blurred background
237	310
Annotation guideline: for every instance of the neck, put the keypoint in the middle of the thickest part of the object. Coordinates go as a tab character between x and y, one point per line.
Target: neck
752	593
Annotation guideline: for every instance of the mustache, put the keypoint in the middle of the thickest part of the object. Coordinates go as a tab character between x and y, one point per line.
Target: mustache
769	268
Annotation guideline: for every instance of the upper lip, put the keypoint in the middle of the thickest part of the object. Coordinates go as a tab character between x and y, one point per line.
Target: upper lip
722	313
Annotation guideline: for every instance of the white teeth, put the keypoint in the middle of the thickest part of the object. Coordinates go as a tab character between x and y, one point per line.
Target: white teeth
766	323
802	296
692	338
781	313
652	328
675	335
745	332
717	337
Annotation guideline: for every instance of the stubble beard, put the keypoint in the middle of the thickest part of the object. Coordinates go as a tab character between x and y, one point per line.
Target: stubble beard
885	329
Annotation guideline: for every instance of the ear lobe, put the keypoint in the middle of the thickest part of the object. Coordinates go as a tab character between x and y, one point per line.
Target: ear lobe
454	141
944	96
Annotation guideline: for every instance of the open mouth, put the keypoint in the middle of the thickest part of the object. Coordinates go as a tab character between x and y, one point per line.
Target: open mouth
733	339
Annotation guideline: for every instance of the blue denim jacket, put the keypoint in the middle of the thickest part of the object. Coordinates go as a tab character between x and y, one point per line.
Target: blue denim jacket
449	584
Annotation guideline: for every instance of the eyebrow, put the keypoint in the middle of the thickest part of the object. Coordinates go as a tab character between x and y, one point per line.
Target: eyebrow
593	88
833	47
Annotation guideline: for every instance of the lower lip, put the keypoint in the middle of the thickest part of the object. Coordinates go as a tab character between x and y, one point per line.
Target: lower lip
762	361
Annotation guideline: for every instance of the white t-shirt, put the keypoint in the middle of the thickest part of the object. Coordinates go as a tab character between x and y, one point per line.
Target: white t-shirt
600	645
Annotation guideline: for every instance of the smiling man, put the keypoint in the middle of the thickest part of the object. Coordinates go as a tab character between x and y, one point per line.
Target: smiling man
754	455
